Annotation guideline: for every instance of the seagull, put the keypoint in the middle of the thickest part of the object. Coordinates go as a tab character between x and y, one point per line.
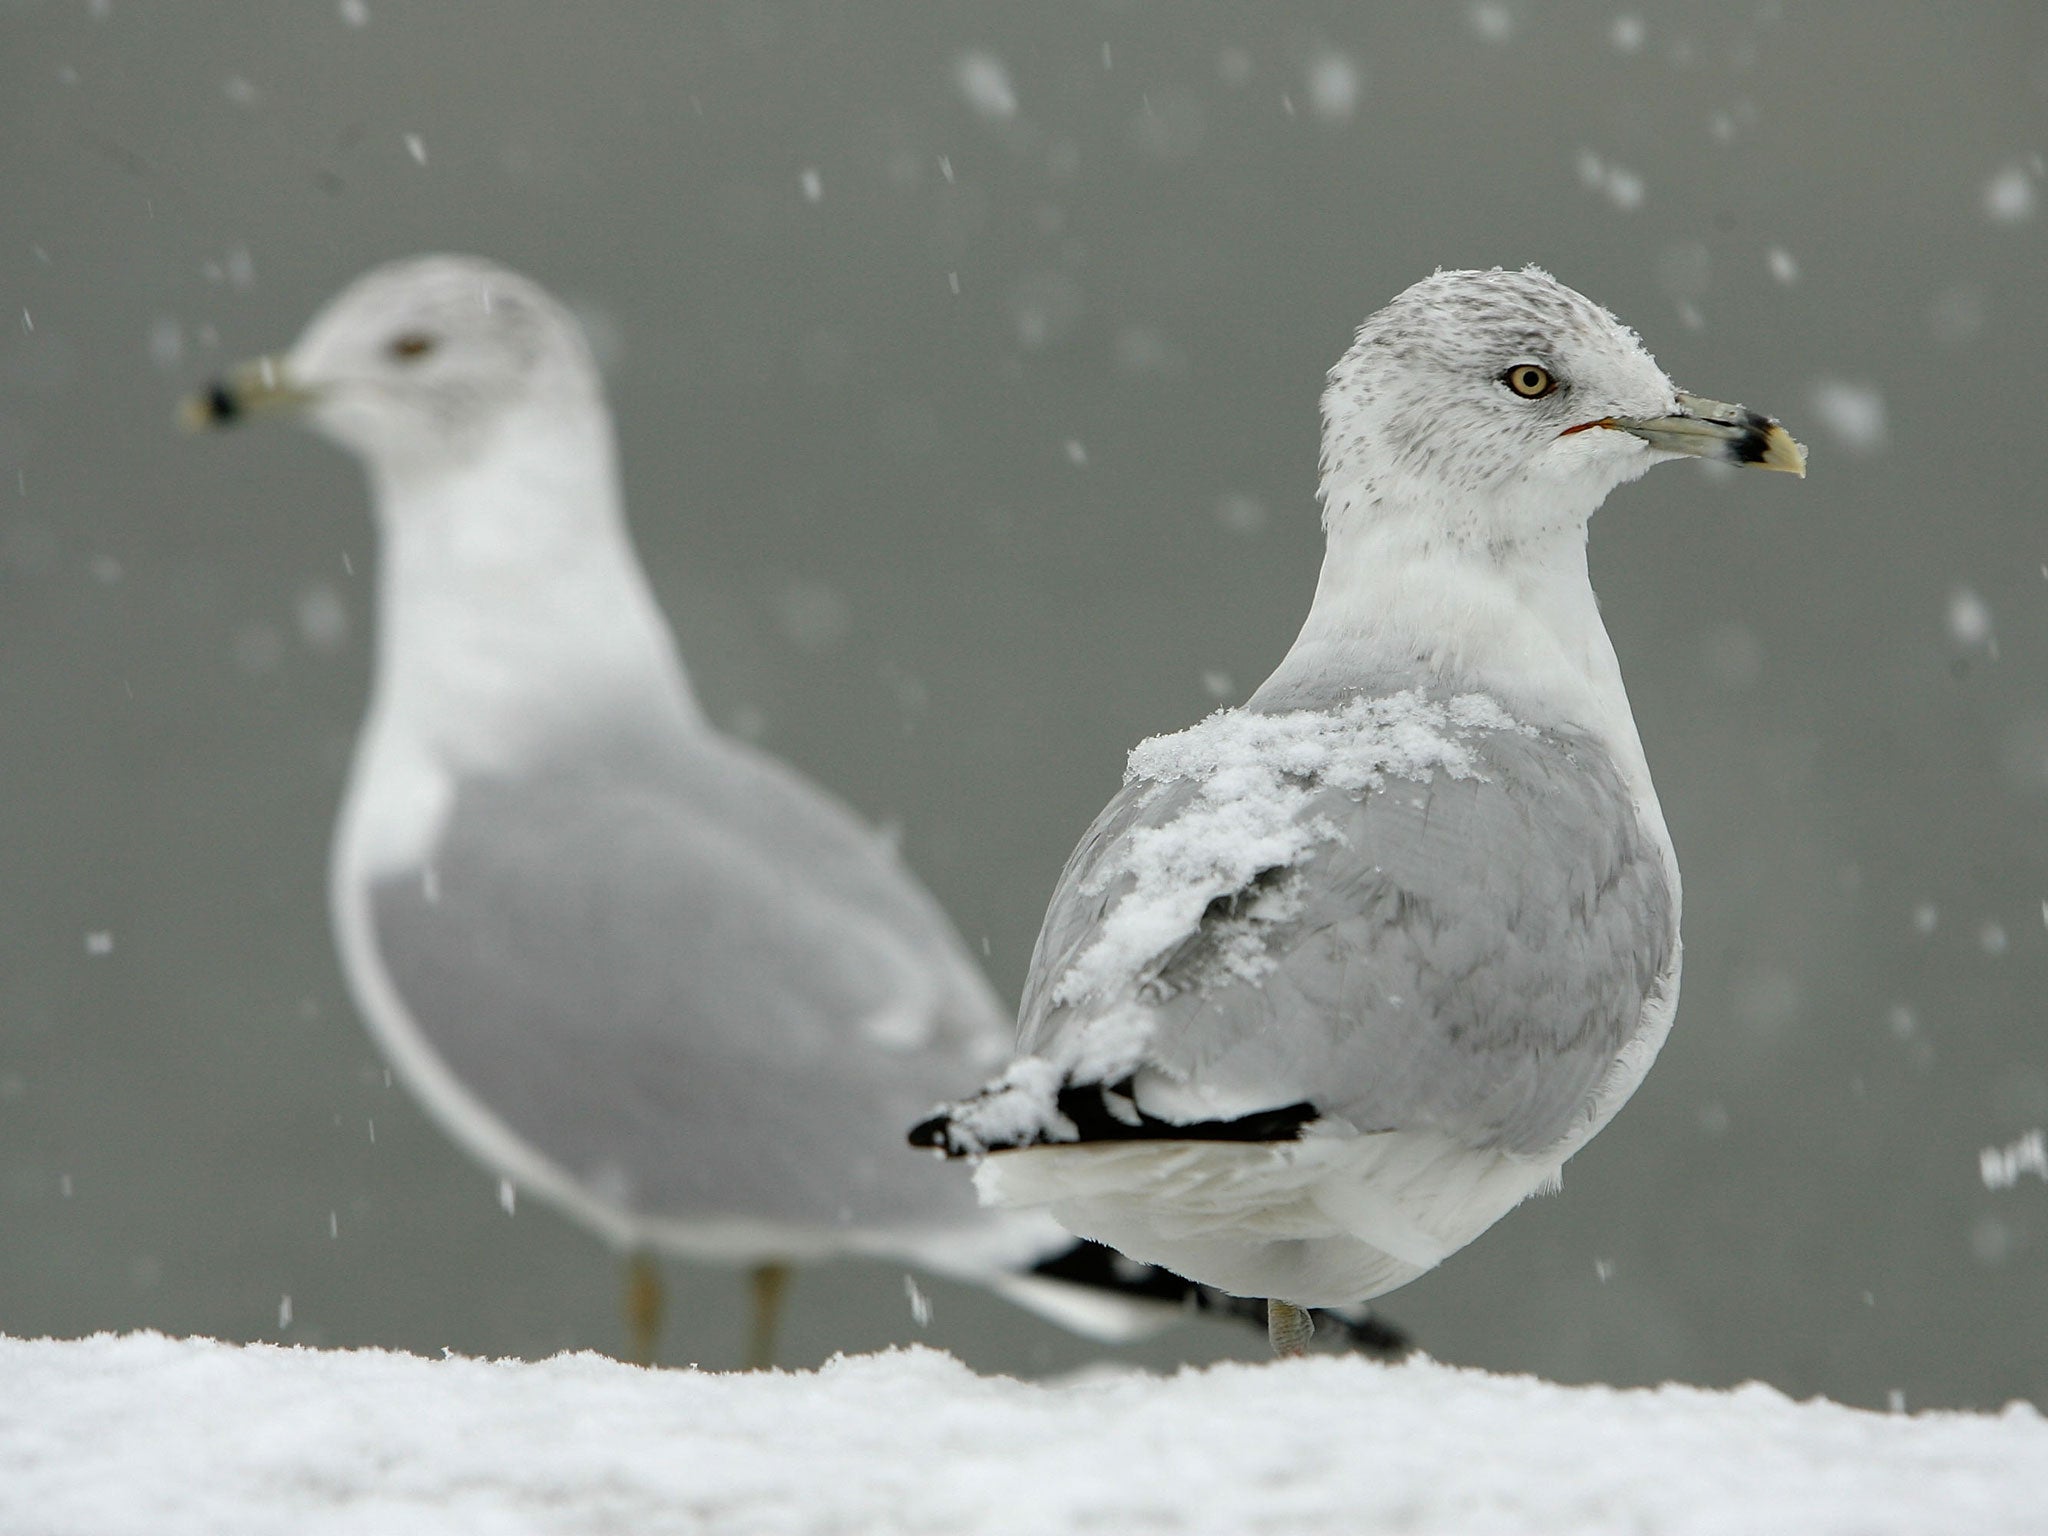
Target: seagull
638	968
1343	975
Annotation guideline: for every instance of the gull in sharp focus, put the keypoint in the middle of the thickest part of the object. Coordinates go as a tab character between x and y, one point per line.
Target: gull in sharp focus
641	969
1342	976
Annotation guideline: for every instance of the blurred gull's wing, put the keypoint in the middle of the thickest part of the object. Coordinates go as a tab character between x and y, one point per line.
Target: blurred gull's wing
710	1001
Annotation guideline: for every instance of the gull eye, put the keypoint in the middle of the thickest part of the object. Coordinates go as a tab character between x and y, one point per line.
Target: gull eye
1529	380
410	347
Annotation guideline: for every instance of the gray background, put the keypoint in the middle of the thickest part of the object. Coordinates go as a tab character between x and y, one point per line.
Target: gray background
859	497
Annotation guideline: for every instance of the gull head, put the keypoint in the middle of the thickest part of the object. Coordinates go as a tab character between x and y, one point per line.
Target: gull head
1496	408
418	364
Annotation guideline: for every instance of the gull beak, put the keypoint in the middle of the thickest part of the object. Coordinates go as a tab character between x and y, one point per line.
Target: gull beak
257	388
1711	429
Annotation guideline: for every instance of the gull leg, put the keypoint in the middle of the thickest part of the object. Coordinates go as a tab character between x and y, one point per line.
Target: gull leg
1289	1328
644	1305
767	1283
1366	1332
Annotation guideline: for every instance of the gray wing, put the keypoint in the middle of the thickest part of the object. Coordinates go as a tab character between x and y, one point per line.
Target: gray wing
708	999
1467	954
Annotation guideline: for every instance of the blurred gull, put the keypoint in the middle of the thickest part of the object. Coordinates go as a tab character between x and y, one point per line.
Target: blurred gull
639	968
1342	976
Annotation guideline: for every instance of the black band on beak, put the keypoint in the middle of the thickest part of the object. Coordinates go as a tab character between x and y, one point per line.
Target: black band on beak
220	404
1752	441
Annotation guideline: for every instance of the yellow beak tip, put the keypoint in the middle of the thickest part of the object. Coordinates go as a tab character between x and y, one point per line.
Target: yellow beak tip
1782	452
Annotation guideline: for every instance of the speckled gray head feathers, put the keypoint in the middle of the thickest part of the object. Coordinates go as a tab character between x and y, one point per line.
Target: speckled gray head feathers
1420	411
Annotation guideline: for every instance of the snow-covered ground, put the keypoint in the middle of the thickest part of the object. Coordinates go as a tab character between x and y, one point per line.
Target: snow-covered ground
146	1434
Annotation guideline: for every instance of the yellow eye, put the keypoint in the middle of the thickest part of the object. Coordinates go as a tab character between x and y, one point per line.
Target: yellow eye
1529	380
413	344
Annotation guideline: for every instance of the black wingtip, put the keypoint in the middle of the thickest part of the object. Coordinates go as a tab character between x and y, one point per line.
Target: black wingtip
1100	1268
1109	1112
935	1134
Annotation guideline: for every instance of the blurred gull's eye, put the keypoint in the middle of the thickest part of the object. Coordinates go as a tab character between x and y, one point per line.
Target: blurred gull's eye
1529	380
411	346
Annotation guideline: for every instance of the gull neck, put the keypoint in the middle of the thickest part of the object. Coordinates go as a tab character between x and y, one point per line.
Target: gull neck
1398	597
512	607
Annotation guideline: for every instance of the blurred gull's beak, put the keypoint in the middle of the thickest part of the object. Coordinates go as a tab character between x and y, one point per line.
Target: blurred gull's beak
251	389
1711	429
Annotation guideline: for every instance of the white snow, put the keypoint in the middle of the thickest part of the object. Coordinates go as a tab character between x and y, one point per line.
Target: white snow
322	617
166	342
142	1435
1491	21
2009	195
1969	618
1242	514
1621	186
1853	411
983	80
2001	1167
1256	775
920	1304
1334	85
1019	1107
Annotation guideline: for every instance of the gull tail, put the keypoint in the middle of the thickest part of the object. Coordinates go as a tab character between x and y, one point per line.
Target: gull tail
1095	1290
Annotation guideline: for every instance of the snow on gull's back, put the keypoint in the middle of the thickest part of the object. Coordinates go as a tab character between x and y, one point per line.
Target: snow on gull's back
1255	776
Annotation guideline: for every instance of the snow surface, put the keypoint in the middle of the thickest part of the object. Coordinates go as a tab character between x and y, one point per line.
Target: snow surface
145	1434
